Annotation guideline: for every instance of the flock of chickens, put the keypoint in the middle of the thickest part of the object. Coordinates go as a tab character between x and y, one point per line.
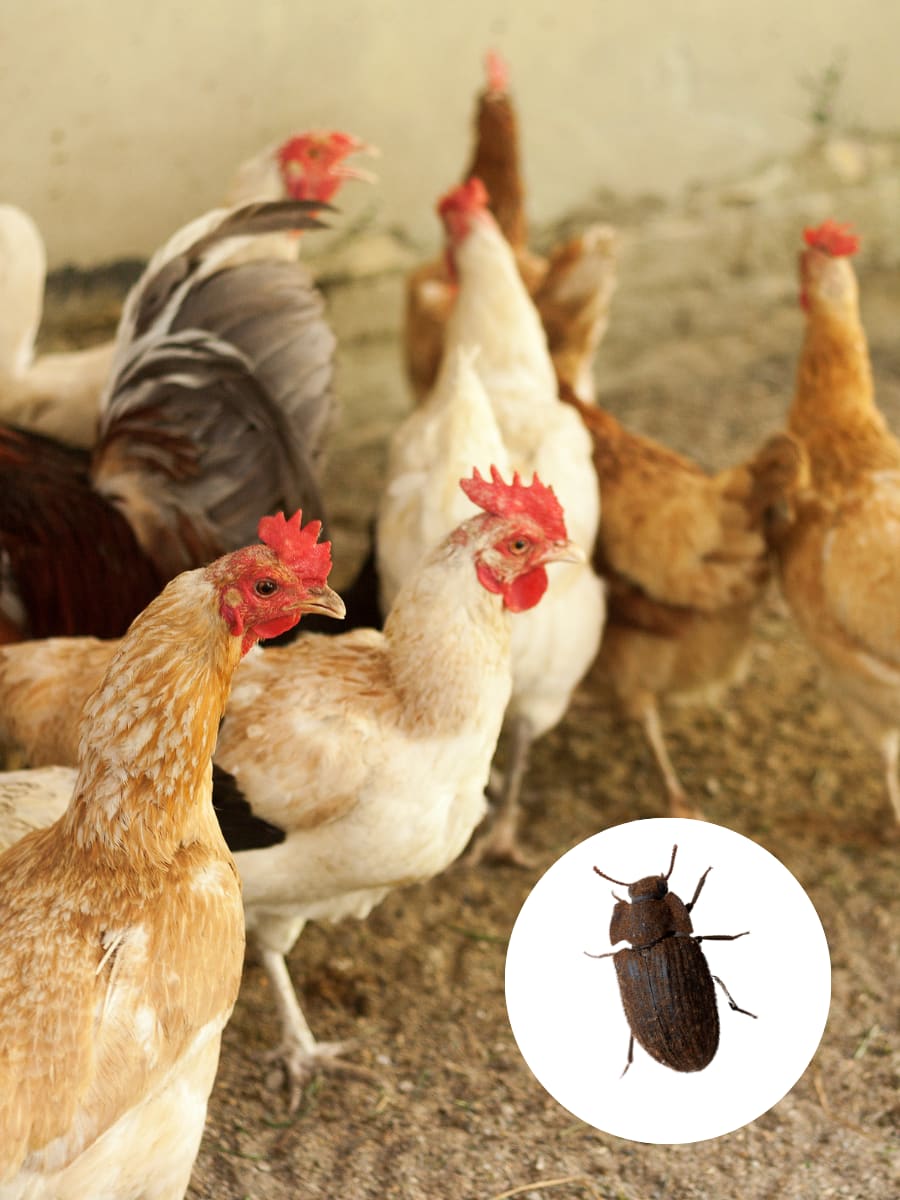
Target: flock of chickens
158	801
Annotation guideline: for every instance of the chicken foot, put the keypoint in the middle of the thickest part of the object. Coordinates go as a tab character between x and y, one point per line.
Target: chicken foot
500	842
679	804
302	1056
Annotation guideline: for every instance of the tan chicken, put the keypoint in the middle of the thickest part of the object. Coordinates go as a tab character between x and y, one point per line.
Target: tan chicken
121	929
370	750
61	394
839	560
571	287
685	560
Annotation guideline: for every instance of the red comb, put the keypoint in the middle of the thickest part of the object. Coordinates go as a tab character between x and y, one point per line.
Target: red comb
311	164
507	499
834	238
465	199
497	72
298	548
327	148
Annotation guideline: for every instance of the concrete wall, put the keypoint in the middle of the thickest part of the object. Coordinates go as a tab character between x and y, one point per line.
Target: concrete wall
122	120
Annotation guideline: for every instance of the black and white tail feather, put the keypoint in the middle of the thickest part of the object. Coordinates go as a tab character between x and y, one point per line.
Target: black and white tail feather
221	396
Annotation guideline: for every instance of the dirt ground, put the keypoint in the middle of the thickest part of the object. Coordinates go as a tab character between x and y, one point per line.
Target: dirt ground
419	985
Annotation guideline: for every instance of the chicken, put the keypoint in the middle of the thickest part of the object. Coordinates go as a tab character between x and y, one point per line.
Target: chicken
121	927
520	423
572	287
60	394
839	559
685	559
379	781
217	412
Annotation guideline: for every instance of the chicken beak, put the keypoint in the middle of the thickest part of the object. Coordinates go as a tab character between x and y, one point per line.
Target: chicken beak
564	552
366	148
358	173
362	174
324	600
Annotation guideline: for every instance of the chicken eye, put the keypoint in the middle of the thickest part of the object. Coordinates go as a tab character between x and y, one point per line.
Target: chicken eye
265	587
519	545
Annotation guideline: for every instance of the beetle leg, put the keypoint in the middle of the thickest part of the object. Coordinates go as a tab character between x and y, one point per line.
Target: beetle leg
719	937
731	1004
698	889
608	954
630	1055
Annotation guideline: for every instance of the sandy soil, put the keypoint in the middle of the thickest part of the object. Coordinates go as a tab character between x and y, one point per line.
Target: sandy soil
419	986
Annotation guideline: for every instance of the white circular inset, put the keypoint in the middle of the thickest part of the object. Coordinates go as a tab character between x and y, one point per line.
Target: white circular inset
566	1011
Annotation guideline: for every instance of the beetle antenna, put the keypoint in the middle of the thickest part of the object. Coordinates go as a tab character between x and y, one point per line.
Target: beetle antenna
672	863
620	882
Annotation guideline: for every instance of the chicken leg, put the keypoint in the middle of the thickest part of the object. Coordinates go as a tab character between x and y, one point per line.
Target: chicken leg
679	804
302	1056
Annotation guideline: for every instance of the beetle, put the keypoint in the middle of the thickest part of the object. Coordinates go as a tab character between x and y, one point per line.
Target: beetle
665	982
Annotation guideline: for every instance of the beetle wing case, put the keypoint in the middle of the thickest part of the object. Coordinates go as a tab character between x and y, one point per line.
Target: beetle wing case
669	999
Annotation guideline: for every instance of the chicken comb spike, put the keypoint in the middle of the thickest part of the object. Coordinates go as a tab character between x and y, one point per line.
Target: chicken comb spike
834	238
506	499
298	547
466	199
497	70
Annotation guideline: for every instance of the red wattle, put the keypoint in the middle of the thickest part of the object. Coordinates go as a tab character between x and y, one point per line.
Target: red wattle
524	592
488	579
269	629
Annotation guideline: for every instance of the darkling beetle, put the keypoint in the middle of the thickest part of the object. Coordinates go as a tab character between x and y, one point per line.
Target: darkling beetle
664	980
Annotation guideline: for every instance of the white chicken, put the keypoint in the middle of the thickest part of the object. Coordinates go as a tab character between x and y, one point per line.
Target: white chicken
514	418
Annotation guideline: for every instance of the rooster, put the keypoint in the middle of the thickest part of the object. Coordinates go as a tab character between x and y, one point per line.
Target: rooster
572	288
379	782
60	394
839	559
216	412
121	929
522	419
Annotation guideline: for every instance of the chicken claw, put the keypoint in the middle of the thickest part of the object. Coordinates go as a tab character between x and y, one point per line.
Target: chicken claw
302	1063
499	844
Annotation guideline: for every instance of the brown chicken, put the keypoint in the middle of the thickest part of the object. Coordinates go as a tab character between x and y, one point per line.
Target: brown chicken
839	560
571	288
685	559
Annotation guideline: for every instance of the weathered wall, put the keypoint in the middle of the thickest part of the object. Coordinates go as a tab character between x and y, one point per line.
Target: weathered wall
124	120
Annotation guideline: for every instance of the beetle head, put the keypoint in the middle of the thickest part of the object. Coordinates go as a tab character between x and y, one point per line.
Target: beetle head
651	887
